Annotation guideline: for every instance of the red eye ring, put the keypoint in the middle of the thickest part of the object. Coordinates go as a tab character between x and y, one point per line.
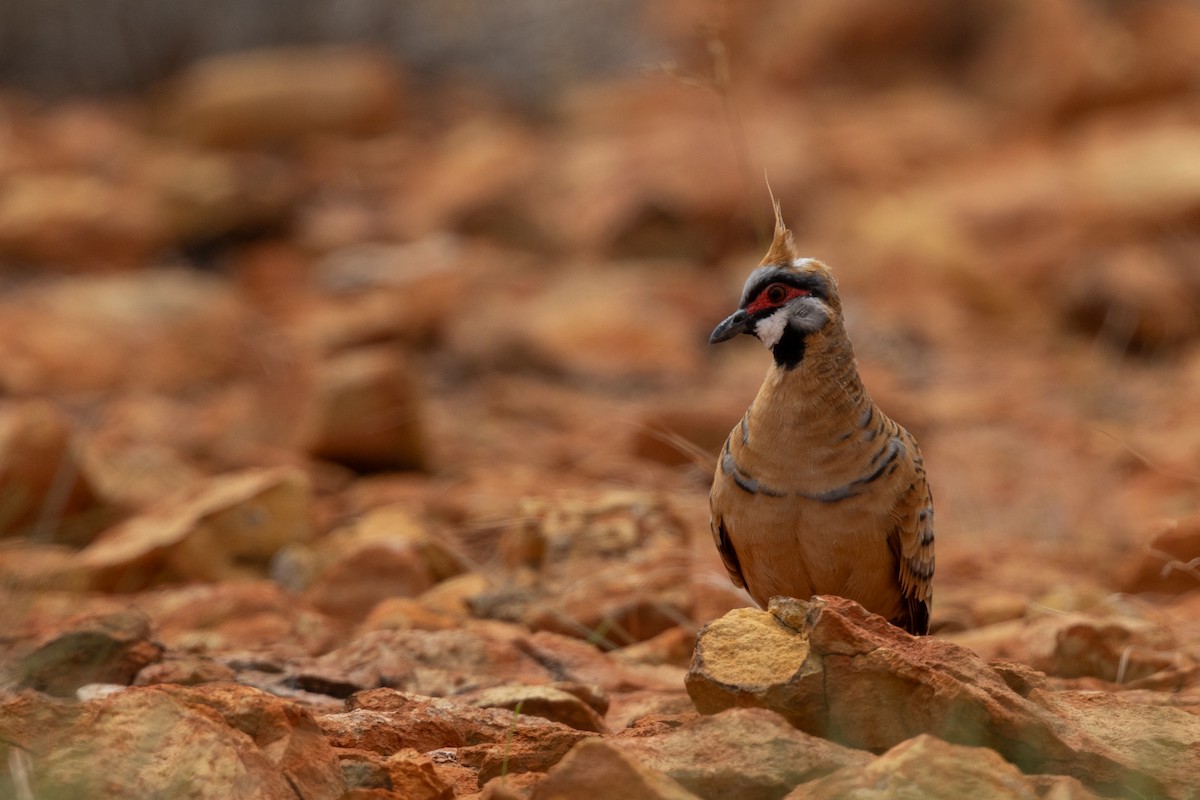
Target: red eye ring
775	295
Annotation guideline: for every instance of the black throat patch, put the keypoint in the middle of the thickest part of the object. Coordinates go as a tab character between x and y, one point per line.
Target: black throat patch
789	350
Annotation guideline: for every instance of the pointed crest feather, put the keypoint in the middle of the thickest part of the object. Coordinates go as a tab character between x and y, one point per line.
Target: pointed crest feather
783	246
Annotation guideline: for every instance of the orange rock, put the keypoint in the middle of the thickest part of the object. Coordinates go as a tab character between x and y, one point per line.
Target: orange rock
266	97
164	331
78	220
396	522
834	670
367	412
927	767
1170	561
406	613
285	733
185	670
366	573
598	769
441	662
42	476
771	756
1117	649
237	617
108	649
487	740
150	742
611	568
362	769
414	775
230	527
546	702
1136	298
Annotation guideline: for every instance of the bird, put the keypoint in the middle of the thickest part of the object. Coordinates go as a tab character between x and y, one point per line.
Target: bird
816	490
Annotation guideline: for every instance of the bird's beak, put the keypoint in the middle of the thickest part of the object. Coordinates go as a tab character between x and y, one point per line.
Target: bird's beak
731	326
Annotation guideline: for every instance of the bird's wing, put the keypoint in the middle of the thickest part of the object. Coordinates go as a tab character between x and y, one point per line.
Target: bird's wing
912	543
729	556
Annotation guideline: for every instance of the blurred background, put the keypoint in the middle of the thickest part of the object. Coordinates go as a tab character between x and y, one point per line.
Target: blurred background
271	270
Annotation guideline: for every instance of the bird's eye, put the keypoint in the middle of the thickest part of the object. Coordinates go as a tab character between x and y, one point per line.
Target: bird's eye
776	293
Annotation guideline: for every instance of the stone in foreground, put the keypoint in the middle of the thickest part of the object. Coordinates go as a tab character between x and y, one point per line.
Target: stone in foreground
836	671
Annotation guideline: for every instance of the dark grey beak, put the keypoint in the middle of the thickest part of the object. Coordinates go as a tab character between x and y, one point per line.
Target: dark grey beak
735	323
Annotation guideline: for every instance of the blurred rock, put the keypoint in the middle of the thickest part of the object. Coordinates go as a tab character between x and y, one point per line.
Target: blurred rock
229	528
479	179
378	291
165	331
406	613
1135	298
627	168
875	44
672	646
898	135
367	575
612	568
236	617
272	97
595	325
836	671
541	701
76	220
131	468
1139	177
145	743
367	412
452	596
508	787
994	607
1118	649
927	767
185	670
379	557
29	566
738	753
578	662
209	200
598	769
119	209
432	663
44	492
682	434
1050	59
108	649
396	521
1169	562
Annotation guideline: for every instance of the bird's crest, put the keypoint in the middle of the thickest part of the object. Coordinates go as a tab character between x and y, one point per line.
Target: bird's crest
783	246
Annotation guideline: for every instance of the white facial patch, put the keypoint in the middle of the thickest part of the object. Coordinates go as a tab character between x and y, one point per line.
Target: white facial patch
770	329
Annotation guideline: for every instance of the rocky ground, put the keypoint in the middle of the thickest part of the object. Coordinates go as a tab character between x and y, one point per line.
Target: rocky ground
355	439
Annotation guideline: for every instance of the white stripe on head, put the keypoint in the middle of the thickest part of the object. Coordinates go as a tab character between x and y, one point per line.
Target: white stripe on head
801	263
769	330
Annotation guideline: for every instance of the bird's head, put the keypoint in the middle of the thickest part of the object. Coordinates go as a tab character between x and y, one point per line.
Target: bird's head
787	301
